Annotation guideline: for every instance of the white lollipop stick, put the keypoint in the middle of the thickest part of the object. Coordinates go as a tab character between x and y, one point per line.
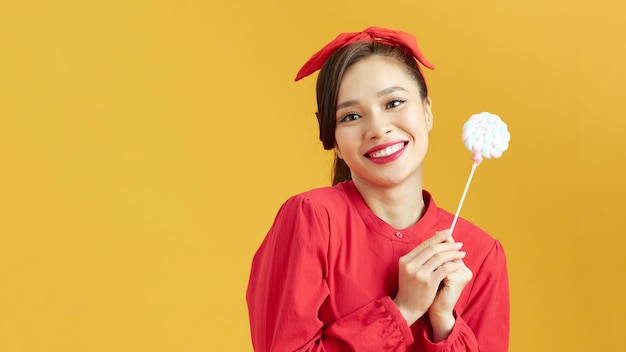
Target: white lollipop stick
486	136
458	210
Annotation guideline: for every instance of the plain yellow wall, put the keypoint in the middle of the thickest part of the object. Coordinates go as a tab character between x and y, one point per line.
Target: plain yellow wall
145	147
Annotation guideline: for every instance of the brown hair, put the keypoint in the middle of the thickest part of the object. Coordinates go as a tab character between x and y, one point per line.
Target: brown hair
328	82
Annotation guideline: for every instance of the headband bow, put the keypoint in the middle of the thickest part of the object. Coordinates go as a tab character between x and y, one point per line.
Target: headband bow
403	40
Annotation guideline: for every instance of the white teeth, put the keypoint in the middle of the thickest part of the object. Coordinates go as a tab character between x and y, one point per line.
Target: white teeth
387	151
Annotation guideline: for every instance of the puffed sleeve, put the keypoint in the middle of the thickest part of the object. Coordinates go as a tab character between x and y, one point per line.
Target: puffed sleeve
483	324
288	286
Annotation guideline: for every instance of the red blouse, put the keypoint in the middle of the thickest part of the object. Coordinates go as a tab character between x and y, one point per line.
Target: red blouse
326	273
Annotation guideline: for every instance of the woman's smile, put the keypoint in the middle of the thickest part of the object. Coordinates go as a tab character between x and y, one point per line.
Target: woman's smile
386	153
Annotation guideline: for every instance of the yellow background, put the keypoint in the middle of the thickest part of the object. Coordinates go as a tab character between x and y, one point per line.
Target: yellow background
145	147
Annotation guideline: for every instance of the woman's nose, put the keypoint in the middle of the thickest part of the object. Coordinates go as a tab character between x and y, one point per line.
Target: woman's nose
378	125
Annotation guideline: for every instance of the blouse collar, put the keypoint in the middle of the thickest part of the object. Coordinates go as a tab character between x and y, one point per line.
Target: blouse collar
421	230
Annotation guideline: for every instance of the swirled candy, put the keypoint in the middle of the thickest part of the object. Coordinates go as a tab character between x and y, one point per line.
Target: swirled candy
486	136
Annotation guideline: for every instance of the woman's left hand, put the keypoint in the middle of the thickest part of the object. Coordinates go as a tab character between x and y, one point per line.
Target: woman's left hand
440	312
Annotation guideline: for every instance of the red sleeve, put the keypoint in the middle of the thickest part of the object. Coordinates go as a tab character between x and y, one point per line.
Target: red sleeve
288	286
484	323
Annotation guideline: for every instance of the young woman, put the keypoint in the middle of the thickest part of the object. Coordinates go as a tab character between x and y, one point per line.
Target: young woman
369	264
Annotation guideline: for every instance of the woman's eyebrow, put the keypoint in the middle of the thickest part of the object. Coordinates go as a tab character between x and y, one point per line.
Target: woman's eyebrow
346	104
383	92
390	90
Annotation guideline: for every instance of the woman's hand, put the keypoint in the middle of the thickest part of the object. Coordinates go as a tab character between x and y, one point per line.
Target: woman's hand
421	272
440	312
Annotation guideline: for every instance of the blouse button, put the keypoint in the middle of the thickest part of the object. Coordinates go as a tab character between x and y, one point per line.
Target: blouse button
399	234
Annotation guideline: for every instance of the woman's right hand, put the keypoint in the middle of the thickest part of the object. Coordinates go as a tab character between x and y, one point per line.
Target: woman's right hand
422	270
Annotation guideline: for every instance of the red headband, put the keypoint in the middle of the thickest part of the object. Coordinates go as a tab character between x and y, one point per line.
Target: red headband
403	40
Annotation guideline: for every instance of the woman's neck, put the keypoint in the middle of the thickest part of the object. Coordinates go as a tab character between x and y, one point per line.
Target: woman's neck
400	206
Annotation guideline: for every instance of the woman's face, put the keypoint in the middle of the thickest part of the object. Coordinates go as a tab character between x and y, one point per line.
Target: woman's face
382	123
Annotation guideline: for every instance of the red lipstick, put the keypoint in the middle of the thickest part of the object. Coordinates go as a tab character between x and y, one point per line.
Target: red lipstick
385	153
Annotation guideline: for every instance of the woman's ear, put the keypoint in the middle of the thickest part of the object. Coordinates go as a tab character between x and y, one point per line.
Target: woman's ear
428	113
337	152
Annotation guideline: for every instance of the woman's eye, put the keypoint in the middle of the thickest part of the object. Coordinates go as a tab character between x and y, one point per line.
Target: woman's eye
394	103
349	117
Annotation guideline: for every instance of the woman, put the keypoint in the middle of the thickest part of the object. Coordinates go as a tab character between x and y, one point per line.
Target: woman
369	264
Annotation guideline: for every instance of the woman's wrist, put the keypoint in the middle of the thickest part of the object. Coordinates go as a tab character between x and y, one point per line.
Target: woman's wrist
408	315
442	325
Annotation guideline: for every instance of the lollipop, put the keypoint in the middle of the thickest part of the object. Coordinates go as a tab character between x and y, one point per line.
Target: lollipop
486	136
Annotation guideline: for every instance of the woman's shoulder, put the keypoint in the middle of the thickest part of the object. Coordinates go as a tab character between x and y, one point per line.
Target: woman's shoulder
313	208
480	245
466	231
322	197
